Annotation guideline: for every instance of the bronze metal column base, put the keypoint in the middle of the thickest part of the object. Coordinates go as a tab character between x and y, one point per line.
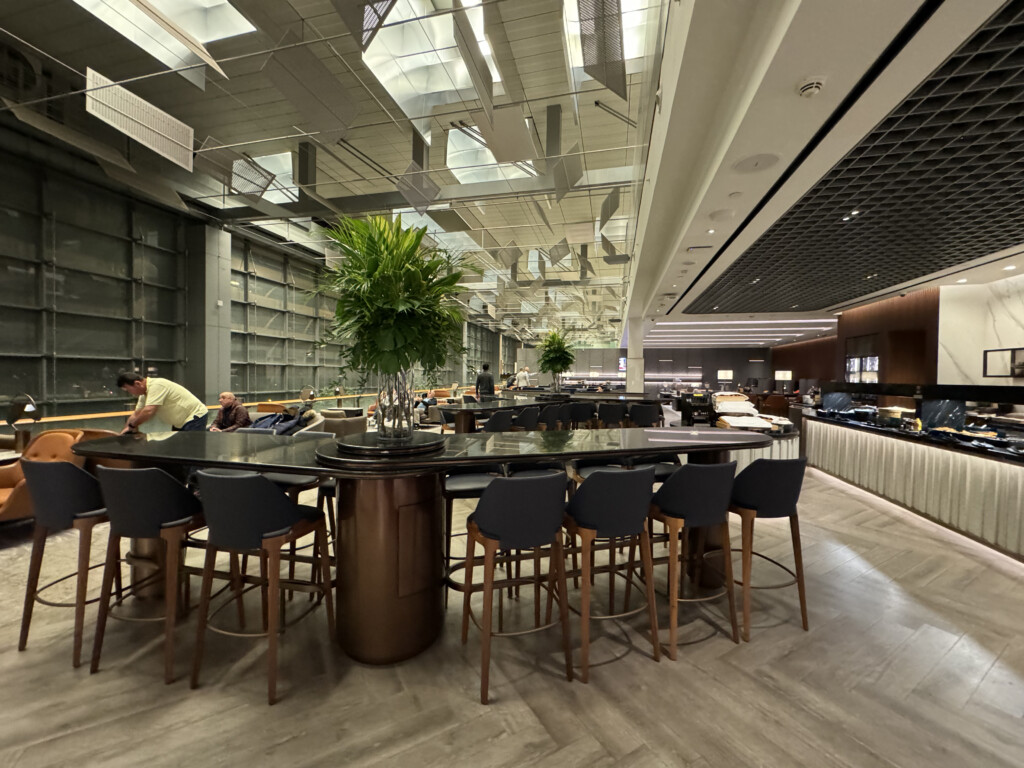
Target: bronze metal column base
389	566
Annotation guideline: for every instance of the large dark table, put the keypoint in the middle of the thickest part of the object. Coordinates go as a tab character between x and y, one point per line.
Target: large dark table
466	413
390	509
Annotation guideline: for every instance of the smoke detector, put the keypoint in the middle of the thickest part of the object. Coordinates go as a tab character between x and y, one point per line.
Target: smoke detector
810	87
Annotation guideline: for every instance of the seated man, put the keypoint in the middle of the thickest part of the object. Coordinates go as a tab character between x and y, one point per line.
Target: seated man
232	414
427	401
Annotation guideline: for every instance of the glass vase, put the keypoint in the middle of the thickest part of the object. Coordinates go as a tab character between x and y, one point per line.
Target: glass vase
395	407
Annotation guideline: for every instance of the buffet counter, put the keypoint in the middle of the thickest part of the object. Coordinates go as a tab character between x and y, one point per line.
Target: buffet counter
975	493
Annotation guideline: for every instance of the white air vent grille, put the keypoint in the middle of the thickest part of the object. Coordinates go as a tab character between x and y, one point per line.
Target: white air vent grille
138	119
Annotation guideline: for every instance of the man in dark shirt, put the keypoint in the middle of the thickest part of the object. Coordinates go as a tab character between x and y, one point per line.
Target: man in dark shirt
484	381
232	414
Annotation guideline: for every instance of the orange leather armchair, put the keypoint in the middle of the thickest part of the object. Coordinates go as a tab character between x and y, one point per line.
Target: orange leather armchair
55	445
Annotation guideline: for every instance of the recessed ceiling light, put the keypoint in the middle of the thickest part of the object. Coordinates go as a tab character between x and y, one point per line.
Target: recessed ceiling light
714	307
711	231
962	280
794	306
854	213
673	285
846	218
1009	268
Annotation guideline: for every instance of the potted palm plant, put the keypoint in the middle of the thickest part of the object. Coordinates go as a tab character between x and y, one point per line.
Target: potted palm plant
556	357
395	310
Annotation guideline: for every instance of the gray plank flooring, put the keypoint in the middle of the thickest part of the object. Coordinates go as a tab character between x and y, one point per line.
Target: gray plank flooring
915	657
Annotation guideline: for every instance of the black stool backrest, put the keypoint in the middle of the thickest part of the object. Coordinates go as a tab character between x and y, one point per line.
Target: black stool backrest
685	413
500	421
478	469
581	411
611	414
698	493
140	502
566	414
613	503
59	491
446	416
468	399
241	510
527	418
550	415
770	486
644	414
522	512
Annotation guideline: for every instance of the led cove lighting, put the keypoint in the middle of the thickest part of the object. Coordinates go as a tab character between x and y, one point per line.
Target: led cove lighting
962	280
742	322
1009	268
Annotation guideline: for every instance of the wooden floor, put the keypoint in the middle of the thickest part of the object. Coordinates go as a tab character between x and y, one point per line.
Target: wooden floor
915	657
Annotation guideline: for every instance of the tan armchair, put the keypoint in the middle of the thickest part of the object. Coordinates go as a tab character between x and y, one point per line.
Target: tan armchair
55	445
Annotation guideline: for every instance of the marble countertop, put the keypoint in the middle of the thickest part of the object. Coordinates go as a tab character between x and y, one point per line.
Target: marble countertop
308	455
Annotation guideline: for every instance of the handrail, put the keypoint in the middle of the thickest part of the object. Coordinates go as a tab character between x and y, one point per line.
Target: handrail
112	414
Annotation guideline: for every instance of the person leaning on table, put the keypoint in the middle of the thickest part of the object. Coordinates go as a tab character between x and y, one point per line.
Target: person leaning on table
171	403
232	414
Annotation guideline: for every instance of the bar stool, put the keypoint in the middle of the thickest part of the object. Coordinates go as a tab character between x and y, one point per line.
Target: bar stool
247	514
581	414
695	496
517	513
469	483
500	421
769	488
644	414
528	417
146	504
63	496
551	417
610	414
612	505
664	465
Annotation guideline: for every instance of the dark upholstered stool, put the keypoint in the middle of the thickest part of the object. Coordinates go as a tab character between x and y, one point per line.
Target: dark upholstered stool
551	418
63	496
696	496
769	488
664	466
528	418
146	504
644	414
517	513
610	414
613	505
249	514
500	421
581	414
469	483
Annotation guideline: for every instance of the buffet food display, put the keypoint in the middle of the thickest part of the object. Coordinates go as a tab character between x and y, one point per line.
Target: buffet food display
734	410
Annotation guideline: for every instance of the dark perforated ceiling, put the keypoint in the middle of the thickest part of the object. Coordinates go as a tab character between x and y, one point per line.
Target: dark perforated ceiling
938	182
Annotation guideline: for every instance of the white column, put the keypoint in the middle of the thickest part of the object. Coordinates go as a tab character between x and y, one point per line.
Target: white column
634	354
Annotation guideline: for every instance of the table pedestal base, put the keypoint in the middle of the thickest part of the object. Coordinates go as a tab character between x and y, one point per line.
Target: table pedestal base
390	573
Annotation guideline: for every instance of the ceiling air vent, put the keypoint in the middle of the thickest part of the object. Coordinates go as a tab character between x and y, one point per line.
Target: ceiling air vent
810	87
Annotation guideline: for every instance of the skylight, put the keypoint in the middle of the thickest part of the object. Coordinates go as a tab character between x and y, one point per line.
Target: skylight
175	34
470	161
418	61
282	189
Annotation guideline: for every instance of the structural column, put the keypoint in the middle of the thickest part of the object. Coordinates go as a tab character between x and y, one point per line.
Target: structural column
634	354
208	346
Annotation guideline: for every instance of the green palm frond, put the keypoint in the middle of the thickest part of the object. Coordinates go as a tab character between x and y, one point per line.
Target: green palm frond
395	297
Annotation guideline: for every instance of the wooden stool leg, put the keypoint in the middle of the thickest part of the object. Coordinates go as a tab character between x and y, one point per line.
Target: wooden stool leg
630	570
113	561
274	602
557	566
798	560
674	578
536	586
236	587
447	538
325	584
291	567
747	545
35	565
729	584
209	563
575	561
586	556
490	548
611	576
652	608
467	594
332	524
82	587
263	586
171	576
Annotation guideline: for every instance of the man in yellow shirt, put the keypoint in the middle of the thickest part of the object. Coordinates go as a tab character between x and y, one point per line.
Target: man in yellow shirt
169	402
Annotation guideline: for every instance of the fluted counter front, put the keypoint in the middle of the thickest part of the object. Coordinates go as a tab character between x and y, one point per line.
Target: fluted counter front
974	494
